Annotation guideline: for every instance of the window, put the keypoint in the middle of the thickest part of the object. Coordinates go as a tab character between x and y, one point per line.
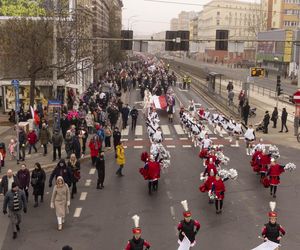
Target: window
218	13
218	22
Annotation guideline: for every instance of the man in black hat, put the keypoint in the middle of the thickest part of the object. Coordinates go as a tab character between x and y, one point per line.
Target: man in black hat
15	201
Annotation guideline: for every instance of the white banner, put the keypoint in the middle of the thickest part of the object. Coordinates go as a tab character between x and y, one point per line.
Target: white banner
185	244
268	245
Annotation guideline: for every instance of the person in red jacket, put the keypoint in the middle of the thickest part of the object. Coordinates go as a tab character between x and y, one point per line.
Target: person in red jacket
265	160
151	172
95	148
32	139
218	188
255	162
210	166
137	243
275	170
206	186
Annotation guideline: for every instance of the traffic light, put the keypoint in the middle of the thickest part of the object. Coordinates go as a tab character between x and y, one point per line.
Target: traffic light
221	40
257	72
126	44
279	90
180	40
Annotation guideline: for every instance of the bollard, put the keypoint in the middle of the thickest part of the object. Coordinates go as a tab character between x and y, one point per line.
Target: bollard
296	125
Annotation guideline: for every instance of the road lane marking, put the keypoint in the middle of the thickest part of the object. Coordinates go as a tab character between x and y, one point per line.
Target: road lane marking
125	147
179	129
88	182
139	130
83	196
138	147
165	129
186	146
213	138
169	139
138	139
125	131
171	146
92	171
184	138
169	195
77	212
172	210
124	139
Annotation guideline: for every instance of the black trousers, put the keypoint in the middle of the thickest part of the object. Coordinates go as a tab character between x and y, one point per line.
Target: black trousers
94	160
32	146
101	176
45	149
74	189
58	151
22	152
283	125
133	123
152	186
107	141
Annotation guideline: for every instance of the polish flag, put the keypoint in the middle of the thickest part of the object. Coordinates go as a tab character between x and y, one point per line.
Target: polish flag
159	102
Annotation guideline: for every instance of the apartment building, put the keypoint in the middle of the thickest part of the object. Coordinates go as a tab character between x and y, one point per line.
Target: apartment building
183	20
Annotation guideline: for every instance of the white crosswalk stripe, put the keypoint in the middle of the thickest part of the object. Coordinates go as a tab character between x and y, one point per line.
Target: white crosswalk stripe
165	129
125	131
179	130
139	130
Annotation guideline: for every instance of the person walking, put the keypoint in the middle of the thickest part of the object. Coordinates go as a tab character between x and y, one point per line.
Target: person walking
15	201
95	147
38	179
7	181
284	116
245	112
230	97
23	176
76	146
62	170
69	143
125	113
274	117
116	139
74	165
107	136
266	122
100	166
57	140
32	139
120	158
229	87
60	200
45	137
134	115
22	143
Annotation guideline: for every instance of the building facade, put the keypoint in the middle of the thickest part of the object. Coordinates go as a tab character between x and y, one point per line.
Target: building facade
282	14
174	24
242	20
182	22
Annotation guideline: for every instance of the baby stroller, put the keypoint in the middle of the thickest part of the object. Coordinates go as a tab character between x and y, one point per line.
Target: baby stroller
259	127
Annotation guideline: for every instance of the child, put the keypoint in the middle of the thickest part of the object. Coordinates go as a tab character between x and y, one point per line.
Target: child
11	148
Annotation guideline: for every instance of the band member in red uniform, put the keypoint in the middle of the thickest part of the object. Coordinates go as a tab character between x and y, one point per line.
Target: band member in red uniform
206	186
151	172
210	166
275	170
265	160
255	162
218	188
272	230
137	243
188	227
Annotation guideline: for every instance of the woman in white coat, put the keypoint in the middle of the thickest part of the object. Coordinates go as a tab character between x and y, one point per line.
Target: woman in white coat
60	200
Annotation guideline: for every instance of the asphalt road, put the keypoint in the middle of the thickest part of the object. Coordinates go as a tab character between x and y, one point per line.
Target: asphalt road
105	220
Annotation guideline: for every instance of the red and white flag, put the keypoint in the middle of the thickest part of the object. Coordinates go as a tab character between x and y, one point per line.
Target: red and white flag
159	102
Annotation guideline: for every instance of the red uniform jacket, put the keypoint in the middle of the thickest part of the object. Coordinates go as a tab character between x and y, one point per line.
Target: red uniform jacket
265	159
209	167
274	172
211	157
206	186
151	170
256	161
218	188
94	148
32	138
201	112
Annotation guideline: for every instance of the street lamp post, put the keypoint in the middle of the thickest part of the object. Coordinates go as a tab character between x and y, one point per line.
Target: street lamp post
130	19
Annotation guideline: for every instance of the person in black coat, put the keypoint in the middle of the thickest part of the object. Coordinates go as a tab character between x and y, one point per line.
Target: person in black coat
100	166
134	115
274	117
284	116
125	113
65	125
76	146
74	165
245	112
266	122
22	143
4	187
116	138
38	178
62	170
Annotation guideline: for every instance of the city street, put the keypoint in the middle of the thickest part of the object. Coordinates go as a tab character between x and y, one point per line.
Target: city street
103	217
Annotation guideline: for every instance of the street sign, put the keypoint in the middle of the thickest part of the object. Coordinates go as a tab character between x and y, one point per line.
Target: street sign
257	72
297	97
15	83
54	103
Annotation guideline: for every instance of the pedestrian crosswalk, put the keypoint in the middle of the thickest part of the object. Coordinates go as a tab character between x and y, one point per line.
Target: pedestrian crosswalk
168	130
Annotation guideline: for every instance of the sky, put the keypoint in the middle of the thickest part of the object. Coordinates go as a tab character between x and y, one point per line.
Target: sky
146	17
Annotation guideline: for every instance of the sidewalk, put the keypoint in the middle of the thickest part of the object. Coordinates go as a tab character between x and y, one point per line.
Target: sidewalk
8	132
